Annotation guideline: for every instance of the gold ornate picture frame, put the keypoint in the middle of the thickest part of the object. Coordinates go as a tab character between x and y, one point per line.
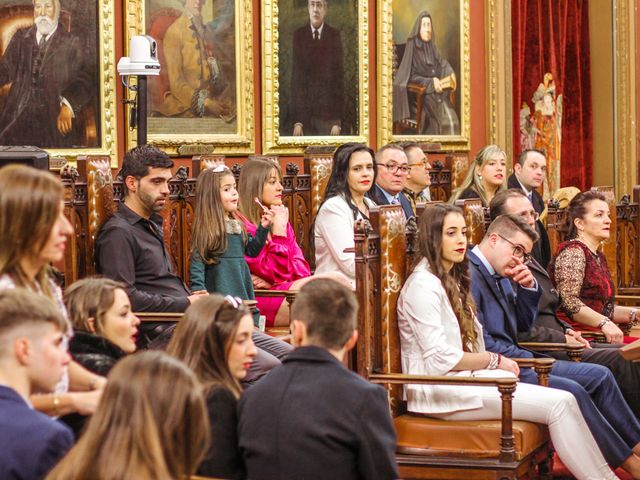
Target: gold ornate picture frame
202	102
75	61
288	61
412	106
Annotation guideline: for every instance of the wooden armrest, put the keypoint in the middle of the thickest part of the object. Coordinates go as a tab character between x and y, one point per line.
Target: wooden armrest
573	350
597	337
290	295
159	316
506	387
542	367
404	379
416	88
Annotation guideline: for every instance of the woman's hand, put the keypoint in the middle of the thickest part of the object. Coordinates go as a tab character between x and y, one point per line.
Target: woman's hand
259	282
280	220
509	365
612	333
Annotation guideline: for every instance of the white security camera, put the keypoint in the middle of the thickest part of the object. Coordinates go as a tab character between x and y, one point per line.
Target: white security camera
143	59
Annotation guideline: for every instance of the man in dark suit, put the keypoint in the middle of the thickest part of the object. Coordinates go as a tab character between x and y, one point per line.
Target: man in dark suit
50	83
506	295
32	360
547	327
528	175
317	81
391	178
312	418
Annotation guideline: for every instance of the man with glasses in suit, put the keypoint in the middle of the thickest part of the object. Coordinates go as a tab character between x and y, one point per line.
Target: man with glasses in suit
393	169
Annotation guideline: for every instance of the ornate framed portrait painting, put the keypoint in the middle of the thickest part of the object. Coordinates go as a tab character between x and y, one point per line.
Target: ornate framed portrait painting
202	101
423	72
57	76
315	73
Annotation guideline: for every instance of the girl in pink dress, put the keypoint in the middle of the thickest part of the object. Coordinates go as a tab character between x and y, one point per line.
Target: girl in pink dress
281	264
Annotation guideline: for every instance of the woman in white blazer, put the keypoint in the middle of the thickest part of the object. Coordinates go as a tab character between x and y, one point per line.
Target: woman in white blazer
353	174
437	339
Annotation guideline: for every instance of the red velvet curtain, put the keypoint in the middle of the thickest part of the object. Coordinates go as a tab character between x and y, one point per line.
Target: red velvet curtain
553	36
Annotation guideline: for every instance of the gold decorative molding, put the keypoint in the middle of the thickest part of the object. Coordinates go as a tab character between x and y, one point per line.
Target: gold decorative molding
272	141
107	82
242	142
385	82
499	73
625	97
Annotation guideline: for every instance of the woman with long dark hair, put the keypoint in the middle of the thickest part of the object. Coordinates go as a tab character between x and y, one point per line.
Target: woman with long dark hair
353	174
440	335
214	340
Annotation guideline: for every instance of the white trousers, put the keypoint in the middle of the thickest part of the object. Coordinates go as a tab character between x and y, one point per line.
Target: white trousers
558	409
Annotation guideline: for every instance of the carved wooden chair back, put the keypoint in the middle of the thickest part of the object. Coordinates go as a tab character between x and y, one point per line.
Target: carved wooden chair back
628	247
474	216
427	448
458	165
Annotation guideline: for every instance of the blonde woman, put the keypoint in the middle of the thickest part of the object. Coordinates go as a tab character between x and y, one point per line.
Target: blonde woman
487	174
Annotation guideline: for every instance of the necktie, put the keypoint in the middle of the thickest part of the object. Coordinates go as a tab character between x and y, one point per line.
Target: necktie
530	195
395	201
506	290
316	35
42	41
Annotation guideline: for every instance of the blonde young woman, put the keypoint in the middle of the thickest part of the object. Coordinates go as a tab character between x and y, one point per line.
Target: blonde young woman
33	234
151	423
487	174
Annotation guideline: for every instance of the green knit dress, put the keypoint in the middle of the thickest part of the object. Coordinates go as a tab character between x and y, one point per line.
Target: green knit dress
230	275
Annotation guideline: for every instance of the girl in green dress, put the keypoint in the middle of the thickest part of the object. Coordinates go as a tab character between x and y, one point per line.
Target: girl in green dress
220	240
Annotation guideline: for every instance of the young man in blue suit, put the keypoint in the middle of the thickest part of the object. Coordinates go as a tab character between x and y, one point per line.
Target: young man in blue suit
506	295
32	360
392	178
311	418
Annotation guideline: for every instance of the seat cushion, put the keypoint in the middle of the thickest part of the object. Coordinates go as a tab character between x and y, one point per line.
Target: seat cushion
430	436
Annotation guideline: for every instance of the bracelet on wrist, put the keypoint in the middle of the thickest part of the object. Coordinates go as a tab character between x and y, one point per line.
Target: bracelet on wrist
633	314
494	361
604	321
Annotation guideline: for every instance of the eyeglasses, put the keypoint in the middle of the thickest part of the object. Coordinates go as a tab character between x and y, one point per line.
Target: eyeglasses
518	250
423	164
530	213
395	168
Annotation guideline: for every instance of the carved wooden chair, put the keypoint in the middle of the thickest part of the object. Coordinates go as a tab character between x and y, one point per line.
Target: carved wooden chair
428	447
458	165
628	249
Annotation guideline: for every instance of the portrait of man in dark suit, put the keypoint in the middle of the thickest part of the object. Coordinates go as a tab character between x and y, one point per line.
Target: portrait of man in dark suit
50	82
317	77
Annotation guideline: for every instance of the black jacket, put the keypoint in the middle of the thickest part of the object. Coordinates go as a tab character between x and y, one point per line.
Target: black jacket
311	418
95	353
377	196
542	249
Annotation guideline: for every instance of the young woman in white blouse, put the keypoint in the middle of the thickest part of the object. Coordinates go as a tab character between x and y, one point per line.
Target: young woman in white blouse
440	335
353	174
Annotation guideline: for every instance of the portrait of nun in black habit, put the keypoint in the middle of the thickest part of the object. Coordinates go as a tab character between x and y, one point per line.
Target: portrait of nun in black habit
423	64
